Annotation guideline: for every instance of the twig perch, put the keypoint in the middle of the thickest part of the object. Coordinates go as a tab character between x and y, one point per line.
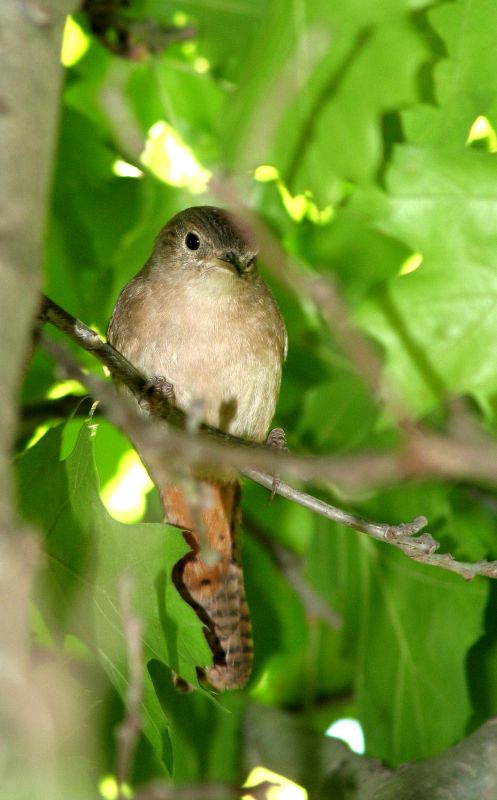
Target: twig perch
260	463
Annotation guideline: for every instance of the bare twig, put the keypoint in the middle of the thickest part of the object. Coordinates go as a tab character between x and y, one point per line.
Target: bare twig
378	530
89	340
255	461
129	729
138	383
404	536
426	454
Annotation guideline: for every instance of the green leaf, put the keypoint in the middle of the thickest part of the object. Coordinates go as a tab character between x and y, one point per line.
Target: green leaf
438	325
339	414
360	256
205	736
407	628
368	105
417	624
465	83
330	128
86	554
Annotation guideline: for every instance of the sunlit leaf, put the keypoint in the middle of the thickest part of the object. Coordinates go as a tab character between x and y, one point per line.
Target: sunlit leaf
439	324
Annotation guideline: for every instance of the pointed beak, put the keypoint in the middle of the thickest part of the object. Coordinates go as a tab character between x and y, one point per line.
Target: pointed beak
238	265
241	264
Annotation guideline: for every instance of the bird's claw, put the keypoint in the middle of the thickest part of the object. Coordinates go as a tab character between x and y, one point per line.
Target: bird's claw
157	396
276	440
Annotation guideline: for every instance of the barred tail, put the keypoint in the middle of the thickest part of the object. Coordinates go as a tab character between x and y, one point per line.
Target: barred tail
215	590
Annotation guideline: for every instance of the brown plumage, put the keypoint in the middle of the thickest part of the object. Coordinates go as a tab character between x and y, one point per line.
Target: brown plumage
200	315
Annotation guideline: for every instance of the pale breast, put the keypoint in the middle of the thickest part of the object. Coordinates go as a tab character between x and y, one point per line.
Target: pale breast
221	350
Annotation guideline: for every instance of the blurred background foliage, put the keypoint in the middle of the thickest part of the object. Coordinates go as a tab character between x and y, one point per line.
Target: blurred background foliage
363	135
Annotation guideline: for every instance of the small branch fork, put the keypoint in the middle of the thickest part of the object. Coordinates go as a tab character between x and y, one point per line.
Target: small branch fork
426	454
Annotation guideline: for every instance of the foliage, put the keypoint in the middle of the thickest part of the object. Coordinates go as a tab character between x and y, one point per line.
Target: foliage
378	119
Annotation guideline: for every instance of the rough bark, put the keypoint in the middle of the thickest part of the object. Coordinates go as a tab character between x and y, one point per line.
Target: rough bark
30	86
328	769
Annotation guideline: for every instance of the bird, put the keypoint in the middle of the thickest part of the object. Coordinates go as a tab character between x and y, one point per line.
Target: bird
200	316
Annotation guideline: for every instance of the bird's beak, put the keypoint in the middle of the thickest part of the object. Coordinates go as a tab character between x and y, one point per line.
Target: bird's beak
234	263
223	263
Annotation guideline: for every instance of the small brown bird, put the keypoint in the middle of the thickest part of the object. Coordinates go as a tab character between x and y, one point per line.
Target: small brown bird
200	315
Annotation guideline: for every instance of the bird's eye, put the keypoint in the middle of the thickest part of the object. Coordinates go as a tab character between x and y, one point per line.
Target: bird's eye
192	241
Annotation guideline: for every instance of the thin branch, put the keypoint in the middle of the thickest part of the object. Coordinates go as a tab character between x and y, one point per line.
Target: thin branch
420	548
129	729
89	340
269	459
384	532
426	454
257	462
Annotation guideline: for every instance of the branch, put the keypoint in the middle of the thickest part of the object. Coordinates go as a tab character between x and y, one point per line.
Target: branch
32	728
260	463
466	770
129	729
304	467
424	454
383	531
89	340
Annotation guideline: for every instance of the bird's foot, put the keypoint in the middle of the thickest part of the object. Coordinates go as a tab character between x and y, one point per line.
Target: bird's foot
276	440
158	396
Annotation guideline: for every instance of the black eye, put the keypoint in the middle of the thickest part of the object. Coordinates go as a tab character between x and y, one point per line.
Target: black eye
192	241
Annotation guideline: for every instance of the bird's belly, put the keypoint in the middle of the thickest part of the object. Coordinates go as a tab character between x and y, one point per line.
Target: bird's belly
231	387
238	398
